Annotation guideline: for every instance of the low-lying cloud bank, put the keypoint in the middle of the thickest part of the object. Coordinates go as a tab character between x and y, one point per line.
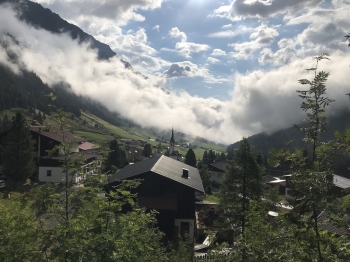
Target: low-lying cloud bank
259	101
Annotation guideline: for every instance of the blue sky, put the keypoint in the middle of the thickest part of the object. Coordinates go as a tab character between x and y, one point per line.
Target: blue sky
231	68
187	33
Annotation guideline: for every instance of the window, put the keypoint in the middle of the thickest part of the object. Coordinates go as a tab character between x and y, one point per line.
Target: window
48	172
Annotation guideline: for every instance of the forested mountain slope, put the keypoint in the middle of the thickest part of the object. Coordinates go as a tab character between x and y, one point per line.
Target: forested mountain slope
38	16
263	142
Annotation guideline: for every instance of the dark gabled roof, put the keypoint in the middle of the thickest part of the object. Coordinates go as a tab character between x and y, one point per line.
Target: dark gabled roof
341	182
164	166
54	134
222	166
175	153
325	223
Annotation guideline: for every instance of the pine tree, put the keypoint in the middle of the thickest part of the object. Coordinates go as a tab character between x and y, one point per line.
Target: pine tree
242	182
147	150
205	159
116	157
17	151
190	158
205	176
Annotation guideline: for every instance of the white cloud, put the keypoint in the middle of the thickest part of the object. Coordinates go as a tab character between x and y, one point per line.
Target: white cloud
241	9
324	33
186	48
135	48
167	49
224	34
218	52
260	100
231	33
226	26
188	69
262	36
269	97
213	60
176	33
156	27
119	11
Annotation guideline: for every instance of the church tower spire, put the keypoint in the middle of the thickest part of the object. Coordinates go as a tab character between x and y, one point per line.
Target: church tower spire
172	142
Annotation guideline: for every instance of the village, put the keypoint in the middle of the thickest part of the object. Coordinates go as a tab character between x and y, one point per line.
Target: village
169	186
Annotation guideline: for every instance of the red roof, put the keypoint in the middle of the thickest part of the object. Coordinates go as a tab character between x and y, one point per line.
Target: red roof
87	146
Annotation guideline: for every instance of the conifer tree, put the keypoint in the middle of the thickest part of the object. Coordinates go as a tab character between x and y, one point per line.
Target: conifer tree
205	159
17	151
243	181
190	158
116	157
147	150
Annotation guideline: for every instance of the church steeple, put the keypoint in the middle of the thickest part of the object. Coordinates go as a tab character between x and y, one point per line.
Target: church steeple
172	142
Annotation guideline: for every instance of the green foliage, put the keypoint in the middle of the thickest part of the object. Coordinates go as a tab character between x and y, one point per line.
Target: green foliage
17	151
147	150
116	158
84	223
18	233
315	104
243	181
190	158
205	176
312	179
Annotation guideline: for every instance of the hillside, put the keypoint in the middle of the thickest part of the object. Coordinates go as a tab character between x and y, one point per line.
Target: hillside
263	142
91	120
95	129
38	16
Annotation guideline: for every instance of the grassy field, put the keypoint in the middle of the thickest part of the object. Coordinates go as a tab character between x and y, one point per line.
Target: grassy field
212	198
136	134
92	128
93	136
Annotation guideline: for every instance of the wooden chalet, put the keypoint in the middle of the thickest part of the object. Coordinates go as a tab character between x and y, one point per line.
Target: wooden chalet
49	163
170	187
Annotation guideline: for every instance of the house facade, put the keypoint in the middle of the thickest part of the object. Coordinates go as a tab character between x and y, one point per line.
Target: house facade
168	186
49	159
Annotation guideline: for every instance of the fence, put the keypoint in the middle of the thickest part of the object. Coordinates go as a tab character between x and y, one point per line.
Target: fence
215	257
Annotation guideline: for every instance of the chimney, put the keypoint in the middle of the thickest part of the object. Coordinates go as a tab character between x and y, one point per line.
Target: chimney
185	173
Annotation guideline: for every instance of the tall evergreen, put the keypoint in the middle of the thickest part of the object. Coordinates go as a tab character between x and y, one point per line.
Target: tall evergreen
205	159
116	157
243	182
17	151
190	158
147	150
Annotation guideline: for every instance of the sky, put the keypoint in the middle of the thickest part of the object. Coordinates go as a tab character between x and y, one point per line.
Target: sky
230	68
